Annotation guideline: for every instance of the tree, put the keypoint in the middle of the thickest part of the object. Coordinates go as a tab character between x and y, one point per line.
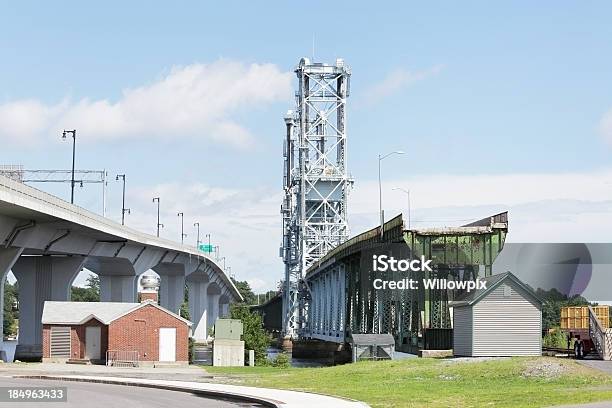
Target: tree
90	293
245	290
10	312
254	335
553	301
184	312
264	297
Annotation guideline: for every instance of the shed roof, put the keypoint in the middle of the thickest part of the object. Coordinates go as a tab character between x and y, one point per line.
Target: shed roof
74	313
492	282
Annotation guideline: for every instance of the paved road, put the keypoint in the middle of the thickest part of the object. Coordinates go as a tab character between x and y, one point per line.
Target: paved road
605	366
81	394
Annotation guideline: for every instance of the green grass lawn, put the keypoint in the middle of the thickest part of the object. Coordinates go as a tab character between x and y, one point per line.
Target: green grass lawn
516	382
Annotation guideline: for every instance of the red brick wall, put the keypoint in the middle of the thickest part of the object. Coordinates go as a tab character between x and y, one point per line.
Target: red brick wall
139	330
45	340
77	339
148	296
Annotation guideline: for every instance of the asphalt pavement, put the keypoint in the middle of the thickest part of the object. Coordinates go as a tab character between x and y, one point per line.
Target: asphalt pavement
94	395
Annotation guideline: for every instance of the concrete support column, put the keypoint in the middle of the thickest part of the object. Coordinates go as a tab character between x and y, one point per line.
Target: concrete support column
198	308
213	308
172	292
118	288
224	300
224	310
40	278
172	285
8	257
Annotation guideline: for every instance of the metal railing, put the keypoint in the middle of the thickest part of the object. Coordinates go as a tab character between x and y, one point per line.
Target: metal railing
122	358
601	338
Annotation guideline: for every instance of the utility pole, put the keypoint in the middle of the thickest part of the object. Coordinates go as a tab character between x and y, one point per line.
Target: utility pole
197	224
380	209
183	235
73	132
123	209
158	223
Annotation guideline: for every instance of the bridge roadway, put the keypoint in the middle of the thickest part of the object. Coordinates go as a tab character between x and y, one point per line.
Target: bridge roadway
46	242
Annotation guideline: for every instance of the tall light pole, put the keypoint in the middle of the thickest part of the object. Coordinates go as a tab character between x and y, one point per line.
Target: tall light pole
73	132
158	223
223	259
197	224
380	209
183	235
123	209
209	247
407	192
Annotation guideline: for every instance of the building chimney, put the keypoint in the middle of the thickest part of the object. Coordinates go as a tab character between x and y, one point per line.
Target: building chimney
150	289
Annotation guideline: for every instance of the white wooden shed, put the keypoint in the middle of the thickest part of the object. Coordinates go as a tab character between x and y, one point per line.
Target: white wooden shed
503	319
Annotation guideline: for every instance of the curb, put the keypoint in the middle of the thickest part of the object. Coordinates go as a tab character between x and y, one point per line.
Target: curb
229	396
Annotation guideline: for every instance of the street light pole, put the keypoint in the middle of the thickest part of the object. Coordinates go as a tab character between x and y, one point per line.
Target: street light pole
123	209
158	223
73	132
380	209
197	224
210	249
408	194
183	235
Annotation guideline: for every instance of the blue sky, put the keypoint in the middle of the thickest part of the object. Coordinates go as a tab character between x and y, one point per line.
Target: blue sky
480	94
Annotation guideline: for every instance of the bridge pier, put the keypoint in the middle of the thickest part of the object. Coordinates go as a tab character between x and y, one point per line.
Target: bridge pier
8	257
213	293
198	307
224	311
118	288
172	285
40	278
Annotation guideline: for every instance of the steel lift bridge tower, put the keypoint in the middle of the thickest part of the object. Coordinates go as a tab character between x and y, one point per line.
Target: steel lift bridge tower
316	181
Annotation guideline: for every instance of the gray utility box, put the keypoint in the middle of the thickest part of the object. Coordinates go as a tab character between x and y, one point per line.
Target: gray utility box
228	329
228	349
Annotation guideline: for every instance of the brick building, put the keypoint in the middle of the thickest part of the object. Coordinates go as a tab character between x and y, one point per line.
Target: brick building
145	332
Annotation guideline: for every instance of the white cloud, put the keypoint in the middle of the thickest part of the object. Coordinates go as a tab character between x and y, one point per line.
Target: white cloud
196	100
605	126
543	207
397	80
244	222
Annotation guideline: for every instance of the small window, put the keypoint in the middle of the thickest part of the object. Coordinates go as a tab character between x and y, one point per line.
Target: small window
507	291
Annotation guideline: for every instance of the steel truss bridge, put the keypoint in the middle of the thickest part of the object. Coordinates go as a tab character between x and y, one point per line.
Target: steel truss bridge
341	299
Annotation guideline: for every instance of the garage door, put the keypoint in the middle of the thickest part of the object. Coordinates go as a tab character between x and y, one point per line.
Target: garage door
167	344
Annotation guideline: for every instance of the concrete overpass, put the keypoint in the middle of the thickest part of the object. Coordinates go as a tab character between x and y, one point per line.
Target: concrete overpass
46	242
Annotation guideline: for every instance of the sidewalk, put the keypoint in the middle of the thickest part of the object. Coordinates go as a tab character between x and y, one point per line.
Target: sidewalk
267	396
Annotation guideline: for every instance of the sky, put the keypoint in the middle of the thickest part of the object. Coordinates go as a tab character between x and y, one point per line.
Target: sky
497	106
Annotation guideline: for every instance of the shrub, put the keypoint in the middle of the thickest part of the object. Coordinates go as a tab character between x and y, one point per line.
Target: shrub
254	335
556	339
190	350
281	361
